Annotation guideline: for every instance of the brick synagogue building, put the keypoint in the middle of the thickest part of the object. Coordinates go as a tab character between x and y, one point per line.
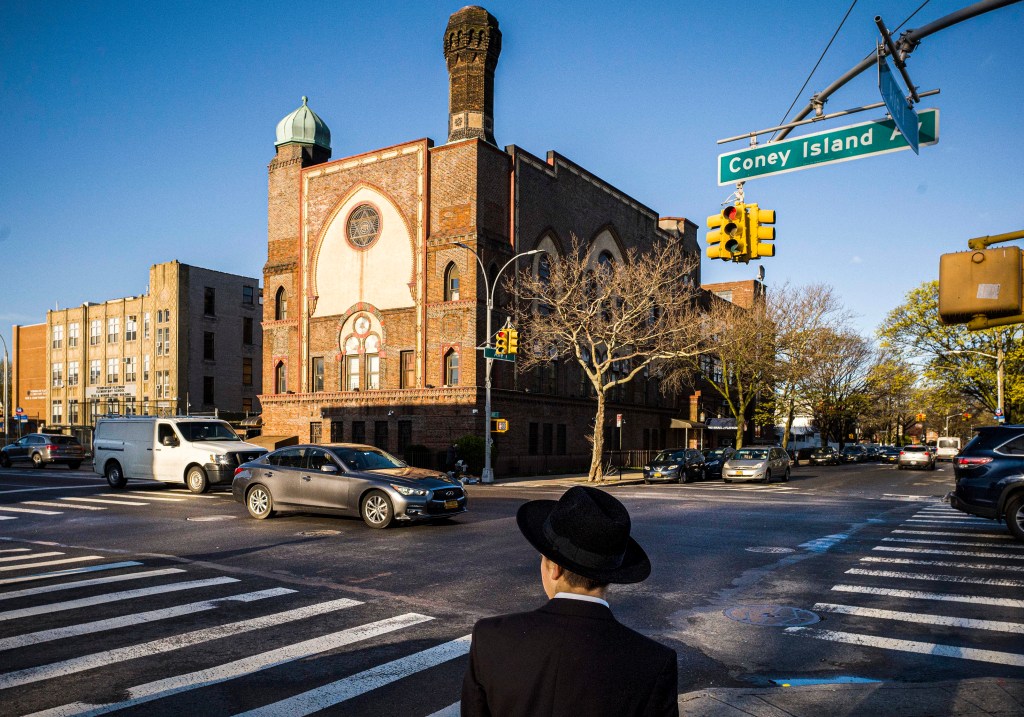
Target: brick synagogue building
373	313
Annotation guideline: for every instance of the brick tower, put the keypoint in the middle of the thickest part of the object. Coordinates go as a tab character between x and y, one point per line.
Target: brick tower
472	43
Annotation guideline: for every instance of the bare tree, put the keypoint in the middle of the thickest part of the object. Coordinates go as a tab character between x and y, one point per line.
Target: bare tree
614	320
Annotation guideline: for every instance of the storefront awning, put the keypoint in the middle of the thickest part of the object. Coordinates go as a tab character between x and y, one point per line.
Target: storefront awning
252	421
680	423
722	424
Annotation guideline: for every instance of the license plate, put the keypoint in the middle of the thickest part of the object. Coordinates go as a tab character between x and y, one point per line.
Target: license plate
657	474
741	473
451	504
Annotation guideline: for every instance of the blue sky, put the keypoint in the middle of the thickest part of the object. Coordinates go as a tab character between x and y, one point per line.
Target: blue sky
137	133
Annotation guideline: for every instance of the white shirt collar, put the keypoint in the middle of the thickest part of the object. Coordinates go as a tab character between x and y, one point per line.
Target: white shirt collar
585	598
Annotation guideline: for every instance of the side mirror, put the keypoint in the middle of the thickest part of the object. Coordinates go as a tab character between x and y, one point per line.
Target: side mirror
170	441
328	468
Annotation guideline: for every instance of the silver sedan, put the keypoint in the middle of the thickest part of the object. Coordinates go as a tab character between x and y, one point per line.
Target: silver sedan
757	463
345	479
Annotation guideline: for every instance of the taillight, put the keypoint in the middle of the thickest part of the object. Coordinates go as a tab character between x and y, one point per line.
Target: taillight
979	461
238	470
51	447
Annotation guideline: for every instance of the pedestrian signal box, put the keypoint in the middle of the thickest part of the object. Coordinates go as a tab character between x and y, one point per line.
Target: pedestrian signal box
985	282
499	425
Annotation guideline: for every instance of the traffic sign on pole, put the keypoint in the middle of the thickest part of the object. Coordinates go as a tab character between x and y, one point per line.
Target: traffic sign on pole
901	111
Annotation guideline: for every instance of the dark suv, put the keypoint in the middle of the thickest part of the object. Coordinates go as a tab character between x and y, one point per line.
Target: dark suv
990	477
681	465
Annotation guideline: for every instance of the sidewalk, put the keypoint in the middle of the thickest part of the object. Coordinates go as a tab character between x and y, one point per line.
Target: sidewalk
568	480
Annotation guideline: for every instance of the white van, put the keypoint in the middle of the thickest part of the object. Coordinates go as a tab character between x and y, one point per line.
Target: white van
946	448
197	451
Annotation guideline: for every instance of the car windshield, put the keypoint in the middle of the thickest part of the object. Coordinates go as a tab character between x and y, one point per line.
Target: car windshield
821	451
207	431
668	456
852	449
750	454
948	443
367	459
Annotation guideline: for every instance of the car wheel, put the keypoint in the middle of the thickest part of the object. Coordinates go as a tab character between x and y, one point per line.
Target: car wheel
703	475
74	465
114	474
259	502
195	480
1015	516
376	510
931	467
37	460
767	476
647	481
727	480
785	478
5	461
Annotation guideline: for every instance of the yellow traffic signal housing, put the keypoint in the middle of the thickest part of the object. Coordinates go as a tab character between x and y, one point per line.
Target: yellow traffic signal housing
513	341
985	282
728	235
499	425
759	233
501	342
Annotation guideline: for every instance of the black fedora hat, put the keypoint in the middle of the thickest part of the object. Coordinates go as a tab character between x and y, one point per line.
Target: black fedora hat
585	531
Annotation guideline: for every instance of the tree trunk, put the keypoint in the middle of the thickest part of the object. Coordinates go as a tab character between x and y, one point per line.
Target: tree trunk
790	417
739	434
596	468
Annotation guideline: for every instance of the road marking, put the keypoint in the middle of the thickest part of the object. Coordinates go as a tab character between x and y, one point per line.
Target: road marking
948	621
58	487
104	500
955	542
452	710
944	564
964	553
31	556
14	550
7	517
921	648
62	561
245	666
61	505
918	595
12	509
112	597
820	545
149	496
69	571
189	493
321	698
936	578
949	521
116	623
86	583
950	534
167	644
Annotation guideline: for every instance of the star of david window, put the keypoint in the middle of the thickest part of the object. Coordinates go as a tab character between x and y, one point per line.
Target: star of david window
363	226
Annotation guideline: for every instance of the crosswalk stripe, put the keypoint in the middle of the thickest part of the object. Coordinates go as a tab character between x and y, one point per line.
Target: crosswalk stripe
7	517
86	583
948	516
190	494
51	562
30	556
922	648
245	666
69	571
12	509
944	564
14	550
112	597
986	525
920	595
948	534
945	620
955	542
167	644
48	504
936	578
338	691
964	553
149	496
103	500
139	618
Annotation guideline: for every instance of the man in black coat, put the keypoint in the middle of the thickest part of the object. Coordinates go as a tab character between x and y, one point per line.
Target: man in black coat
572	657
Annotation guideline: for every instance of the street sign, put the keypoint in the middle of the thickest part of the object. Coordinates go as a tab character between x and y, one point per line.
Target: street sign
828	147
618	420
901	111
19	411
491	354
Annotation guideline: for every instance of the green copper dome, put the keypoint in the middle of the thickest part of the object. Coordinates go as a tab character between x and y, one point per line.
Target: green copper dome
303	127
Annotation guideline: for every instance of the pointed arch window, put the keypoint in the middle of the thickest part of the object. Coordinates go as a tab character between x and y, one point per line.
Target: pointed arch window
451	282
280	305
605	260
280	378
451	368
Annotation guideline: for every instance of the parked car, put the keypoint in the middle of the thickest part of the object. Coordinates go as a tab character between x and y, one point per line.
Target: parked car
681	465
346	479
825	456
757	463
919	456
41	449
714	458
853	454
799	454
890	454
989	475
873	451
946	448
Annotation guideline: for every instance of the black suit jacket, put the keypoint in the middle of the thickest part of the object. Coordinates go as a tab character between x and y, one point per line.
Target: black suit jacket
570	658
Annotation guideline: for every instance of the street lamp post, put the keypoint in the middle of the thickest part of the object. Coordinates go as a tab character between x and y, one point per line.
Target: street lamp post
999	359
488	473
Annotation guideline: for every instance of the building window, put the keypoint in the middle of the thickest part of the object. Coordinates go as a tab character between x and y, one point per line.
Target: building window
95	331
605	260
131	328
534	439
247	405
166	379
247	331
560	447
209	301
363	226
94	372
163	342
208	353
404	435
315	431
380	434
337	432
57	413
408	369
112	370
451	368
247	371
359	431
547	439
113	329
351	374
208	390
57	375
113	406
58	337
317	377
280	305
72	412
145	367
248	295
145	325
280	378
73	329
372	371
72	373
129	370
547	377
451	282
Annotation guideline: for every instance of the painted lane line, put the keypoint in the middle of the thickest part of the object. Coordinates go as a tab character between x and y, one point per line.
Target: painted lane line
918	595
321	698
117	623
92	486
7	517
951	520
31	556
452	710
937	578
955	542
104	500
91	581
112	597
945	564
69	571
147	495
921	648
168	644
34	511
190	494
944	620
936	551
14	550
48	504
46	563
948	534
230	670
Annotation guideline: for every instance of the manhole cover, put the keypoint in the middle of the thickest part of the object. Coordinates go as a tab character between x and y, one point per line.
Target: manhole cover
771	615
318	533
769	549
211	518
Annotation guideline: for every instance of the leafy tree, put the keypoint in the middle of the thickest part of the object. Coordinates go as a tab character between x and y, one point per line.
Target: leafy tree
834	388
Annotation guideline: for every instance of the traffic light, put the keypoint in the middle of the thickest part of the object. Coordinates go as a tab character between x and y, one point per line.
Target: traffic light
501	342
758	232
920	417
983	283
728	234
513	341
499	425
967	416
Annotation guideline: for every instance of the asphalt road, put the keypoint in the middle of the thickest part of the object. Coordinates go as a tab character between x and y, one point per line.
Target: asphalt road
155	601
